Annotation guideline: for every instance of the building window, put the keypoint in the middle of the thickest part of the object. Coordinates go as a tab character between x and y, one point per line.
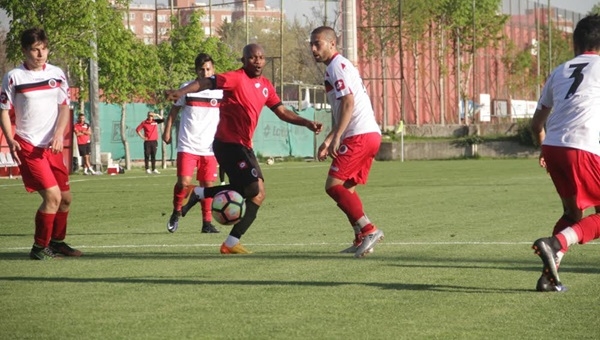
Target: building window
148	29
131	16
148	16
162	18
132	28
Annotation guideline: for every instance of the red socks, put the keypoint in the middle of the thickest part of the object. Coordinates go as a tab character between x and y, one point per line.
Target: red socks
59	232
44	223
349	202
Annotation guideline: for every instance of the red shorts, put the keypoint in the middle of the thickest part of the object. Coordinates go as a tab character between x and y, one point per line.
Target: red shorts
574	173
41	169
355	157
206	165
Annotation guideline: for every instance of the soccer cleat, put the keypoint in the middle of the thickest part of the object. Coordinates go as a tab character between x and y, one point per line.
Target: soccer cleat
352	249
237	249
148	171
544	285
192	199
369	240
173	223
155	172
38	253
547	249
209	228
63	249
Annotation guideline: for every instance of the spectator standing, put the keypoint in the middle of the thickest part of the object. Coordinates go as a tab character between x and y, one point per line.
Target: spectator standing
148	131
83	133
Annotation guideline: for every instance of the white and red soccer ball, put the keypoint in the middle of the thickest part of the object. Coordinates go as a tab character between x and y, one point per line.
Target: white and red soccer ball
228	207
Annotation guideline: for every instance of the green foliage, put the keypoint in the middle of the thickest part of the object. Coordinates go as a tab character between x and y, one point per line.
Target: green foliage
525	134
177	55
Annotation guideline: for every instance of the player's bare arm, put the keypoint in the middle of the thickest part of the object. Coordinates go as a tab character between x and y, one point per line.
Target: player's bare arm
64	116
292	118
6	126
537	127
200	84
346	109
323	151
166	136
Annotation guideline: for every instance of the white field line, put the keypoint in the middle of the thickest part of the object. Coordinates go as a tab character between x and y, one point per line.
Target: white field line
132	246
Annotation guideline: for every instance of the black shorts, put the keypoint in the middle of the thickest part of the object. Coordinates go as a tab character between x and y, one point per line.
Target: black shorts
84	149
239	162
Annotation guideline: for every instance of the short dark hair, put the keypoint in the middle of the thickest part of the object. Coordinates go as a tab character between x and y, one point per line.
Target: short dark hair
327	31
201	59
586	36
32	36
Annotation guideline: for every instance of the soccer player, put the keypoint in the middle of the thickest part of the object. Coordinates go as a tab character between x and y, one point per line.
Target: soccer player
150	137
83	132
567	125
353	141
39	94
245	92
197	127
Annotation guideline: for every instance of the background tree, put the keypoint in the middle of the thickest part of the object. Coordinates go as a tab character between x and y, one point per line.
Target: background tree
128	71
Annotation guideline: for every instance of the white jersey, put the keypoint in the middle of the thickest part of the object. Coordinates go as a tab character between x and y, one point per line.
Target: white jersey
35	96
341	79
573	92
198	121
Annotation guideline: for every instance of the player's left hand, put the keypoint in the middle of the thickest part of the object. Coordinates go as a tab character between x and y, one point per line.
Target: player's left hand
56	145
322	153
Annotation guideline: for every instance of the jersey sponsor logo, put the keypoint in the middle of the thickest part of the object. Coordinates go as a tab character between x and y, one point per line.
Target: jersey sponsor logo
265	92
254	172
242	165
339	85
257	85
52	83
3	98
342	149
214	102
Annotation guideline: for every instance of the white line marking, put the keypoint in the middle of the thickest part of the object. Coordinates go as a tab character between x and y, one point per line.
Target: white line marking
132	246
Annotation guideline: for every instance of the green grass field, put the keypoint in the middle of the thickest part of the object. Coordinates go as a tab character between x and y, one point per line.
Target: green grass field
456	261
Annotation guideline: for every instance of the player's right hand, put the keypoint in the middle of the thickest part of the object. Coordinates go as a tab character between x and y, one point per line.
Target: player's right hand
172	94
166	137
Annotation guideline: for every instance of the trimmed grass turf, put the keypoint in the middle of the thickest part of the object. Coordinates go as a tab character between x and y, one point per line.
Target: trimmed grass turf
456	262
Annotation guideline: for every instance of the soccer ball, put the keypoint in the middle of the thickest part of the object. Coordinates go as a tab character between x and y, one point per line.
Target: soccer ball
228	207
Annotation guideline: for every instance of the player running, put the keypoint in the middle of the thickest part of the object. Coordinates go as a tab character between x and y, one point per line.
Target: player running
353	141
197	127
245	92
567	125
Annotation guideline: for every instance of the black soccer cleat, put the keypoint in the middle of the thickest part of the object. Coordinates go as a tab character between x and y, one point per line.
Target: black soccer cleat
209	228
547	249
173	223
544	285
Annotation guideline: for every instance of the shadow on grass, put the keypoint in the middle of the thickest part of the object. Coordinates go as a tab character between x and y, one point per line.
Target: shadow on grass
325	284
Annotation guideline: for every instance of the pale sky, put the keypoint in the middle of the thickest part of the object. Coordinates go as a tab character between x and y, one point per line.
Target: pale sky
299	8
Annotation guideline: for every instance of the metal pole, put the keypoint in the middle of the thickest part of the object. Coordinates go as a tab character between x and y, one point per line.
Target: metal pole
537	48
474	64
210	18
281	48
94	100
246	19
549	38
